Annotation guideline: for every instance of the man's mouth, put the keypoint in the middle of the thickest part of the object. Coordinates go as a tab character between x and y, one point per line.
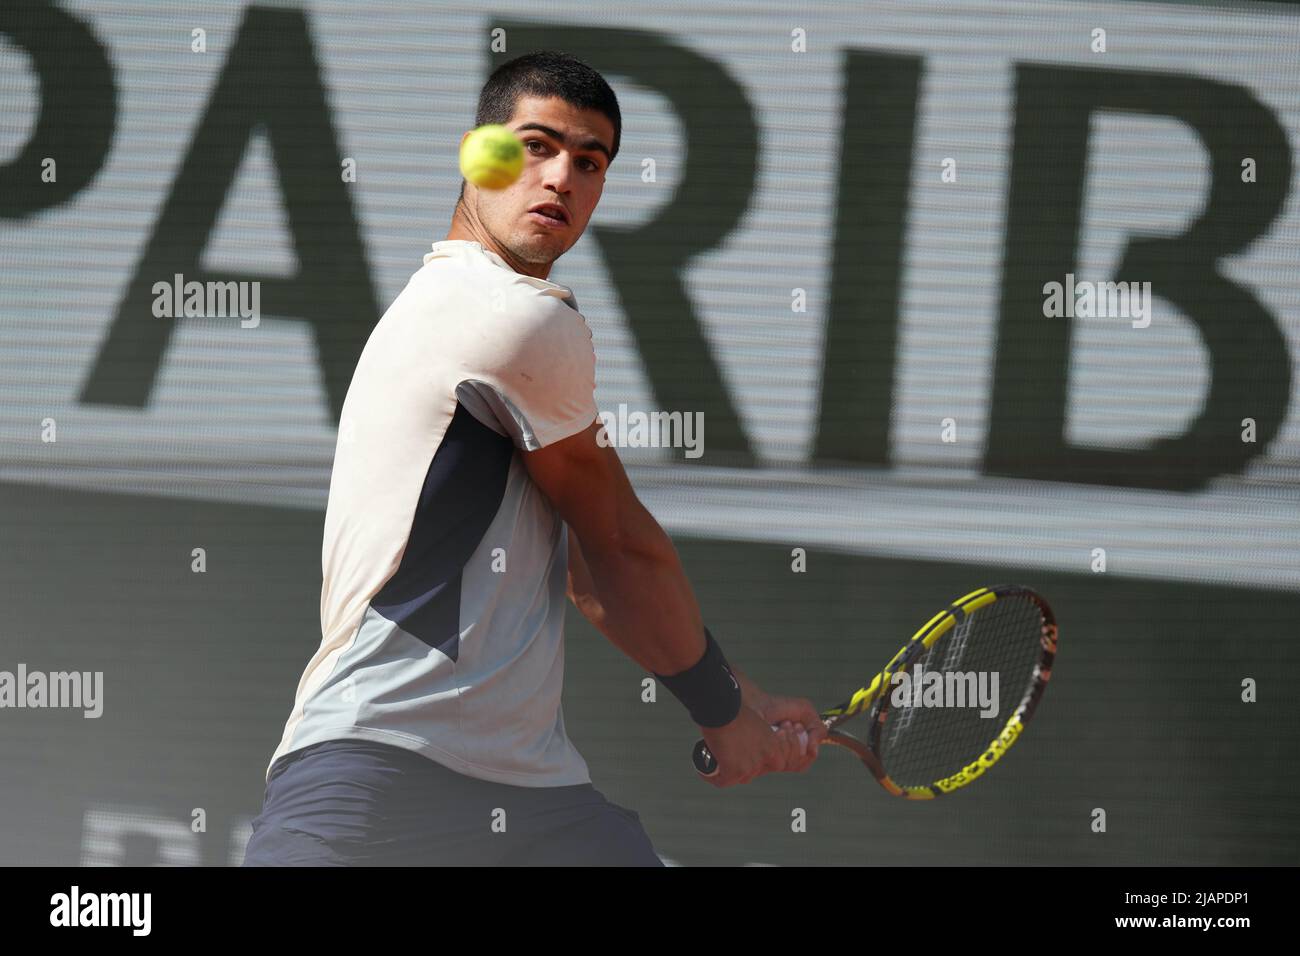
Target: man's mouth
550	214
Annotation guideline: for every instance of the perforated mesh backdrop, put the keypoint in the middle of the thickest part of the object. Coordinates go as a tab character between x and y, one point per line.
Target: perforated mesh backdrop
827	231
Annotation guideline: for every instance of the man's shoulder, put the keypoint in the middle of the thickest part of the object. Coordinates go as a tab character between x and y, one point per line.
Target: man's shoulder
461	267
479	315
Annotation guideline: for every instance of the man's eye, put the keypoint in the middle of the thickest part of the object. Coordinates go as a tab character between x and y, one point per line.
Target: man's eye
534	142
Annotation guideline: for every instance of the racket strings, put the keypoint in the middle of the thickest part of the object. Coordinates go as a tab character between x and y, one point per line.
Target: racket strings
959	694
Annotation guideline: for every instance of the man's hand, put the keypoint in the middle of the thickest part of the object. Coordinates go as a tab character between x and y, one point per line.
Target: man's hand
748	747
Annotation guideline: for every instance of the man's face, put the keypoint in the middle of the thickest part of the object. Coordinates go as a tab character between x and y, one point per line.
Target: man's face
566	154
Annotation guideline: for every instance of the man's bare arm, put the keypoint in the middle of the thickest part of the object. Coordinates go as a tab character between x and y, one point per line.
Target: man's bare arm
633	581
582	592
625	576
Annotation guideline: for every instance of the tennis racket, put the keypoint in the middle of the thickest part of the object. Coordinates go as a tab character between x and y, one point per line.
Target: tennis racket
923	736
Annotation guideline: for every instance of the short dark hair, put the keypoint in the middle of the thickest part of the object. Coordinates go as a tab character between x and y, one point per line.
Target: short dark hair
546	73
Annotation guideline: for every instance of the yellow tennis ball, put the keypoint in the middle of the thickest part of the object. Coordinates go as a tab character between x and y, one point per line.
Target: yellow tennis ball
491	157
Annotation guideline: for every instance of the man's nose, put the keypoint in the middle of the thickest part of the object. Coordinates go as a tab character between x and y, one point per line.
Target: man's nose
558	173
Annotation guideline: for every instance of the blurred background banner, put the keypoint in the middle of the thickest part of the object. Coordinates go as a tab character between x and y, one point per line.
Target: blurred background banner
963	293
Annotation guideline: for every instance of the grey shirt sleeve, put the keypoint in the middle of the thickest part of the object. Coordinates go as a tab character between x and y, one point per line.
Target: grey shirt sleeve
497	412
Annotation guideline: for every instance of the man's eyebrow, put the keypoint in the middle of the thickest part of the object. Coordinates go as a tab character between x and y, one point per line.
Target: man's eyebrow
593	144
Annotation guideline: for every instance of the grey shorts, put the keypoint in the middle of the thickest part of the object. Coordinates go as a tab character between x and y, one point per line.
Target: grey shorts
356	803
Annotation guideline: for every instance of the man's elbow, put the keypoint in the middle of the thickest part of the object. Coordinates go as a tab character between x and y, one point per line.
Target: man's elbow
624	559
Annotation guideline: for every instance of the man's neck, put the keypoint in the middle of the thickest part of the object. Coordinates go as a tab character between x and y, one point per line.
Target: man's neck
465	226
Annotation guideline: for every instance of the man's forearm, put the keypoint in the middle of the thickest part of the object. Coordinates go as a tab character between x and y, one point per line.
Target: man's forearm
582	591
640	599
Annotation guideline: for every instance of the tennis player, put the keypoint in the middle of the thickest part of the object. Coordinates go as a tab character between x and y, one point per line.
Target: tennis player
470	495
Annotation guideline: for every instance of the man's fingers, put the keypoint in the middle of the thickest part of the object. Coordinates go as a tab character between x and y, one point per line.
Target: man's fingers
778	755
793	749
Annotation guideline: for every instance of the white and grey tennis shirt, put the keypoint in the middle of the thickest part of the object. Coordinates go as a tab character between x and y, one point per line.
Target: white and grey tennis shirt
443	599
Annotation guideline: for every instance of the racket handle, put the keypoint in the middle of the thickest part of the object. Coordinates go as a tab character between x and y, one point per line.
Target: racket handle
706	765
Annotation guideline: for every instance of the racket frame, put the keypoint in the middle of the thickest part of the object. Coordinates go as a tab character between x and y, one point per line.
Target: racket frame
876	702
